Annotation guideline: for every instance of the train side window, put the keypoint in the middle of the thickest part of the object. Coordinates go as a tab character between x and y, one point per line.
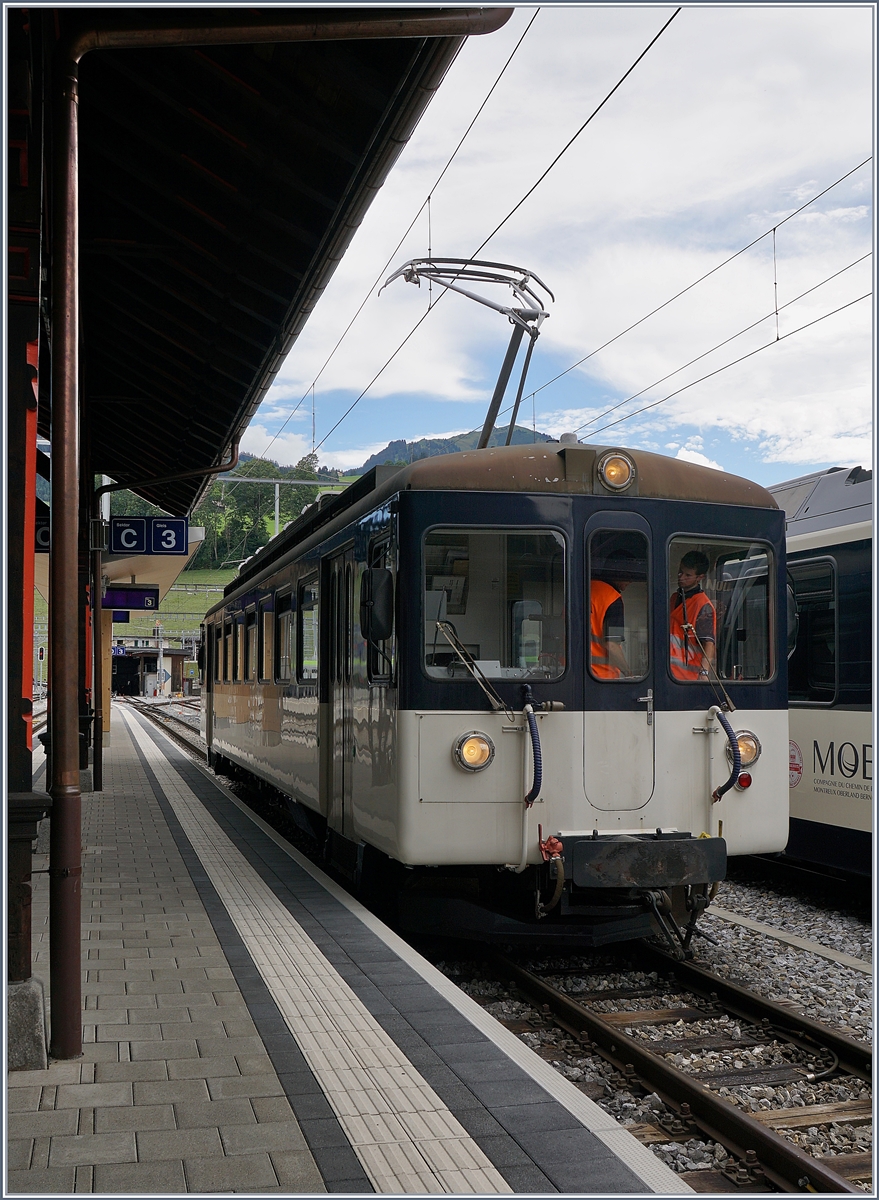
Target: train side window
217	649
720	610
307	637
239	649
250	644
266	640
380	655
618	605
812	668
229	652
284	637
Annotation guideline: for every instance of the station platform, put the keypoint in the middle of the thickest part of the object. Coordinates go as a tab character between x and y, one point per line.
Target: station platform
250	1027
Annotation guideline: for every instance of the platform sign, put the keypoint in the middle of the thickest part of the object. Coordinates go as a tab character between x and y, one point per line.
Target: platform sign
117	651
149	535
42	535
128	535
169	535
121	616
119	596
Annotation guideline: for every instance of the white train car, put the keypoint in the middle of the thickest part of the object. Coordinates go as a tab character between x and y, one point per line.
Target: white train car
830	673
465	677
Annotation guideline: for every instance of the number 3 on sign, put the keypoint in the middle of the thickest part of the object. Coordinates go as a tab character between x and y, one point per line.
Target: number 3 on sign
170	535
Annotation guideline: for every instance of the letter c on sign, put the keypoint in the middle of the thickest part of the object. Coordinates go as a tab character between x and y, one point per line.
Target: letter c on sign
128	538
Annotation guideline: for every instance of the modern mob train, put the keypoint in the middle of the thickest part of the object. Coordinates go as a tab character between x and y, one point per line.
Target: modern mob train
830	674
465	676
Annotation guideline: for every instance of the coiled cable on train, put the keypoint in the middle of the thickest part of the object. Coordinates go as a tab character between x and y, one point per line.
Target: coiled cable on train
536	753
718	793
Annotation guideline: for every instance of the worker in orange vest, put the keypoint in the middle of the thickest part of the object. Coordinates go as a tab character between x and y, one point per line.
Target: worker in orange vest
693	622
607	618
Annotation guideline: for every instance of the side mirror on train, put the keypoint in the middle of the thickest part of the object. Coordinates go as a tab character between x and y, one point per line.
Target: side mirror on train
377	604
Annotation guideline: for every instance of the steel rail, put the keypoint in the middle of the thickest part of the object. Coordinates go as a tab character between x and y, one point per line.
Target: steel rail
158	718
785	1164
854	1057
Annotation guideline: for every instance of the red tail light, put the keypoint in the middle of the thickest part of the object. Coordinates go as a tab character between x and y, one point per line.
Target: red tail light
744	779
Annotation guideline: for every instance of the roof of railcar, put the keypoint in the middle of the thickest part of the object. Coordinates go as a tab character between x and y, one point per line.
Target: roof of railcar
548	467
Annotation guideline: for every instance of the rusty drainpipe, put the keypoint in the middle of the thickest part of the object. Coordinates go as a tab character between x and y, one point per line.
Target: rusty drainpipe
65	871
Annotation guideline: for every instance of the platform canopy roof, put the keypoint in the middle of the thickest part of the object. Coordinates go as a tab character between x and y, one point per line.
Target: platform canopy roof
220	185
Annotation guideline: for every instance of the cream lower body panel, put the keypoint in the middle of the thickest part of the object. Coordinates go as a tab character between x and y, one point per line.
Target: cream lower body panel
446	815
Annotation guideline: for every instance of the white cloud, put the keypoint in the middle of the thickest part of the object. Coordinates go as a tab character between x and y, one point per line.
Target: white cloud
735	117
694	456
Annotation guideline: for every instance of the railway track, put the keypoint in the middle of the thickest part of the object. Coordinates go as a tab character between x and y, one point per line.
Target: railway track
172	725
685	1011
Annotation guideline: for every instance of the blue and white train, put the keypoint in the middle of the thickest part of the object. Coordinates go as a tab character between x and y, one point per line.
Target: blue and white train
415	664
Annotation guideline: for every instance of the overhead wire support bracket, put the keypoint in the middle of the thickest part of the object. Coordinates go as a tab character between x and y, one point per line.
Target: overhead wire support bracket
528	314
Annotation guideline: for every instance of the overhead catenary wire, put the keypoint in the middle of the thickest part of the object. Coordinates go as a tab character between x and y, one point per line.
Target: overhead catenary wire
424	204
513	210
778	309
735	362
696	282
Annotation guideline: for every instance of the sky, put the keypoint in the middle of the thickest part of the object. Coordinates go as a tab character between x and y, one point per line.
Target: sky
734	118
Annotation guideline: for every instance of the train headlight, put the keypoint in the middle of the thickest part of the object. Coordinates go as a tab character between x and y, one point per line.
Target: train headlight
473	751
749	748
616	470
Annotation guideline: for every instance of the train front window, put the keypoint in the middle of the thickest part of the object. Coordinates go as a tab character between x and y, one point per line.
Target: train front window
618	605
501	596
721	596
812	666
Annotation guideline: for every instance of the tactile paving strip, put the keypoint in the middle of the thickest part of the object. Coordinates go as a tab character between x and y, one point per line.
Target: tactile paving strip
405	1137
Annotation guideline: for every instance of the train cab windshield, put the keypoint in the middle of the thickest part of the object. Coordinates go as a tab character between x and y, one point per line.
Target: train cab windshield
502	596
720	610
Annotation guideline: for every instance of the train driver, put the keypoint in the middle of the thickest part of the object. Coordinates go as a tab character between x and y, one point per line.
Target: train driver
693	621
607	618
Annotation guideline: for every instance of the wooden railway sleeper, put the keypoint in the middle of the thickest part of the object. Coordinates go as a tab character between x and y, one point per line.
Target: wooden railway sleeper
784	1164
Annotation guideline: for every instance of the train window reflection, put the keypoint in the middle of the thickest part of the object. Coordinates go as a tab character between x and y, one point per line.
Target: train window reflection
501	596
719	610
250	645
618	605
308	630
229	656
812	666
266	649
284	638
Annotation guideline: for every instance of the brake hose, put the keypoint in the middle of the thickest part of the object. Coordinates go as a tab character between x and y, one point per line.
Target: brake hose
718	793
536	754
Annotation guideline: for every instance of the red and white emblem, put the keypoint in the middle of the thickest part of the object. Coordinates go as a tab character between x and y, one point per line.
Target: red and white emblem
795	767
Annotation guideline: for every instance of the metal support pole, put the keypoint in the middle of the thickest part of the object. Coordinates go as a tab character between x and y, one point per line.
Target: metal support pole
97	671
65	855
277	509
533	338
501	386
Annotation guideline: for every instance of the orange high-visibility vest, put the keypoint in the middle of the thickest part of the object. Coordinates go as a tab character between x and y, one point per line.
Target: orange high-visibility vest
601	597
686	657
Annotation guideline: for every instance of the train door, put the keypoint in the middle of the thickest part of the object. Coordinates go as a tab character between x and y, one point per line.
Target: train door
618	734
341	691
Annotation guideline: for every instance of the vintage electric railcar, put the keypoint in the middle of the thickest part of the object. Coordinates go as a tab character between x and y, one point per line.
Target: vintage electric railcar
830	562
421	666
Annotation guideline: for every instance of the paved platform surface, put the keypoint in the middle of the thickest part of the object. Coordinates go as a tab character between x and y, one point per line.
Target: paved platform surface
250	1027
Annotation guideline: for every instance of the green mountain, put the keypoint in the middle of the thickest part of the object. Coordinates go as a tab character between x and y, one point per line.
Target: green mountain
401	451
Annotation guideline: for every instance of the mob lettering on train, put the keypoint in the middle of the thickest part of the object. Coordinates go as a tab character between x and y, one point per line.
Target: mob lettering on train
846	760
